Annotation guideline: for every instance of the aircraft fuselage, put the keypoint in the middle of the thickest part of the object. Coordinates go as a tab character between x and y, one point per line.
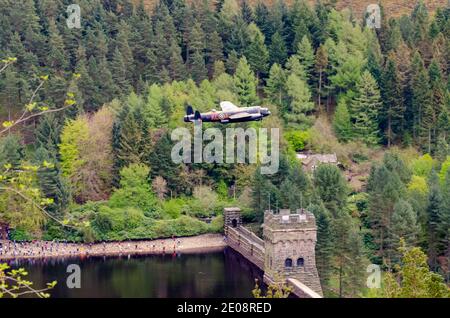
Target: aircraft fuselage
254	113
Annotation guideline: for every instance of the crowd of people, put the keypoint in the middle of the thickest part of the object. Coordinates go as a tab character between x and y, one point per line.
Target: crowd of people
36	249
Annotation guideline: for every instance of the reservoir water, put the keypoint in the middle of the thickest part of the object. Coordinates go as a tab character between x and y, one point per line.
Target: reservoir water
218	274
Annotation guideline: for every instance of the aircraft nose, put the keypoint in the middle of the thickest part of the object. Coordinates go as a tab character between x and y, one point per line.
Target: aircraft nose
265	111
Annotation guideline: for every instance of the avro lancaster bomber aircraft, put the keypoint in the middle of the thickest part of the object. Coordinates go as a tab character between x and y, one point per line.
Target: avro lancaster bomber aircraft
230	114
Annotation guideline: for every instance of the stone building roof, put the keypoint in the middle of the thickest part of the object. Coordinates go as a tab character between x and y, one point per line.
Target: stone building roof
321	158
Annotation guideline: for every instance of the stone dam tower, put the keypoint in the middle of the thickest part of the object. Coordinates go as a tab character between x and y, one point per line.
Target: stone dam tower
287	252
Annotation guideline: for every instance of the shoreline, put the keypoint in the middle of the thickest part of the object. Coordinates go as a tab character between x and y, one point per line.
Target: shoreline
45	250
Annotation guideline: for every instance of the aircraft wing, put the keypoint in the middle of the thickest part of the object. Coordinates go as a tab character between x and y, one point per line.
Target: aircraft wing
242	115
228	107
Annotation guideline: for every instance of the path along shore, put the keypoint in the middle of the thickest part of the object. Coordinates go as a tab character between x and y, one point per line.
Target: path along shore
44	249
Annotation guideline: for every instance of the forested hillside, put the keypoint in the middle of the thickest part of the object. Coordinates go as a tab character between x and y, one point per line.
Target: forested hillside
85	147
393	8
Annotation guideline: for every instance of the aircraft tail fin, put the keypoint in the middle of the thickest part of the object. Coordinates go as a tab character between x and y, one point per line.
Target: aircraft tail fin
189	110
197	115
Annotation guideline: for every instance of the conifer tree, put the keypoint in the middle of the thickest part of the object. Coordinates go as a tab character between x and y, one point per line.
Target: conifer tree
331	187
385	188
305	52
51	182
245	83
393	108
56	57
11	151
321	63
433	212
176	66
444	224
324	245
214	48
162	165
341	122
48	135
421	103
277	49
403	226
300	106
275	86
365	109
257	53
119	74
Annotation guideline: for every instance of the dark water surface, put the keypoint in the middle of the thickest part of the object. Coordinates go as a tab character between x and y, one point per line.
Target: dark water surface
222	274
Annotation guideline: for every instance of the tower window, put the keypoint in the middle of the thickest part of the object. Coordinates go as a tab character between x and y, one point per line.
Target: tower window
288	262
300	262
234	223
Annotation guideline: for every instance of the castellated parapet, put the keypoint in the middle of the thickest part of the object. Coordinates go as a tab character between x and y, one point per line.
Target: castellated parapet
290	241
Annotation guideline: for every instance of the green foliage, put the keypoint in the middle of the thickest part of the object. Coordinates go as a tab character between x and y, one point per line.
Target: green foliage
298	139
445	168
422	166
275	86
135	191
331	187
365	109
73	136
174	207
245	83
300	105
413	279
11	151
341	123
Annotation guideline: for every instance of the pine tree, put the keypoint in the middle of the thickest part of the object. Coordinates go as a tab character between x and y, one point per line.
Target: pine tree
162	165
56	57
214	49
51	182
385	188
444	224
122	42
153	111
265	195
11	151
321	63
393	110
438	99
403	226
245	83
246	12
324	245
341	122
196	47
131	142
421	102
277	49
176	66
301	105
119	74
48	134
331	187
365	108
293	66
257	53
374	60
433	211
348	255
275	86
85	82
305	52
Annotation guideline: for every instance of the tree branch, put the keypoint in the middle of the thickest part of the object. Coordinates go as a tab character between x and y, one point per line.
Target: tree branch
23	196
